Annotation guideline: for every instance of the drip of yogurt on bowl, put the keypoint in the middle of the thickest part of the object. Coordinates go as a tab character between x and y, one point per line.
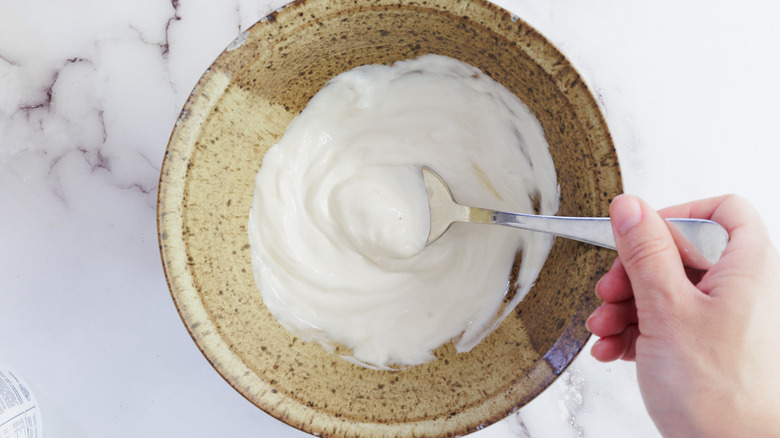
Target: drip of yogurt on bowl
339	216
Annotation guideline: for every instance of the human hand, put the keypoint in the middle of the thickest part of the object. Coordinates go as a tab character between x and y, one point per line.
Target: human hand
705	343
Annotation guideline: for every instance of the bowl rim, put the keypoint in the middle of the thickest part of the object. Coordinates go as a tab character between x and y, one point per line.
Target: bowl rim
185	295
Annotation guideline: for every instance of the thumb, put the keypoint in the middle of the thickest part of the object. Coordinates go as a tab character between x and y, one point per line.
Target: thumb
647	250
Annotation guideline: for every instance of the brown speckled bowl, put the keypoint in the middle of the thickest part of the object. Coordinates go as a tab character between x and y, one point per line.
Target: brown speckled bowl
241	107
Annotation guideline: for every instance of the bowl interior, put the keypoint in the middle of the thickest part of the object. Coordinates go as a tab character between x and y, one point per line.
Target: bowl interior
241	107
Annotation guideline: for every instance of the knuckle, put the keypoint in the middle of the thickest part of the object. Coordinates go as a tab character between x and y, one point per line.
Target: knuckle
733	198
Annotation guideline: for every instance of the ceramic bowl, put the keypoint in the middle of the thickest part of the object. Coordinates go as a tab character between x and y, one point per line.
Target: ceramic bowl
241	107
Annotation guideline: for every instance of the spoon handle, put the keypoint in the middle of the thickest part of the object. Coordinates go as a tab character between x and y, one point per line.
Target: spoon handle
701	242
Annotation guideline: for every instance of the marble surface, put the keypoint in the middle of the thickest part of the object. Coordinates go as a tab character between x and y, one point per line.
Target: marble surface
89	92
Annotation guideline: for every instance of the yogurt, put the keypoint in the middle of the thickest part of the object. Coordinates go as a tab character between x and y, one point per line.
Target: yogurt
339	217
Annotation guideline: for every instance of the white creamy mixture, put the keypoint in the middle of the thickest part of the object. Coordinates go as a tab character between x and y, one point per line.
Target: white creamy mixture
340	216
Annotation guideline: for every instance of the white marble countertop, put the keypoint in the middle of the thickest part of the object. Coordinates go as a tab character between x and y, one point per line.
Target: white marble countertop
89	92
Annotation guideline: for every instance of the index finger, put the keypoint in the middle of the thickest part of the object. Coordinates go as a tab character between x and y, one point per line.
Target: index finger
700	209
731	211
747	233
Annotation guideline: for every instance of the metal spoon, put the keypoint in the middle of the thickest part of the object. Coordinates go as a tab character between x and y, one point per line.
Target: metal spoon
701	242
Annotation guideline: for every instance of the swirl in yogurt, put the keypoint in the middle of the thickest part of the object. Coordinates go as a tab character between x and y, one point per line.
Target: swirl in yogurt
339	217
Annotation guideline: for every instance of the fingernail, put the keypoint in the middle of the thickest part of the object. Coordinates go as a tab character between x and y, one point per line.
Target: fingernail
596	346
592	315
598	286
626	213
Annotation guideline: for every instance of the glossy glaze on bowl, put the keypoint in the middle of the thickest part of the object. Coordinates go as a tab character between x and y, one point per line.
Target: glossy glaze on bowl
241	107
